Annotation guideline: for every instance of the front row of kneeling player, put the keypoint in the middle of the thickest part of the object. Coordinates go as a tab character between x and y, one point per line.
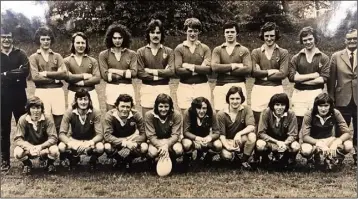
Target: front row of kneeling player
124	135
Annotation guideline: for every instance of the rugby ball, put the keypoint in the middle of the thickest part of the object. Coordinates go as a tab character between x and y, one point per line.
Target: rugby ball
164	166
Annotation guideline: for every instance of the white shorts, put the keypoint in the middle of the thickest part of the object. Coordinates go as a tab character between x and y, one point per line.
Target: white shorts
187	92
53	99
114	90
261	95
302	100
93	95
148	94
220	94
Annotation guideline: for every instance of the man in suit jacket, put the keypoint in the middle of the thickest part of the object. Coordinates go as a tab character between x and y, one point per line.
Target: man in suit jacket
342	84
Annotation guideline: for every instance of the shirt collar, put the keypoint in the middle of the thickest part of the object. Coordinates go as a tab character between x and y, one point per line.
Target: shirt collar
148	46
11	49
284	115
72	55
317	51
349	52
75	111
323	120
227	109
263	47
225	44
186	43
112	50
39	51
29	120
115	114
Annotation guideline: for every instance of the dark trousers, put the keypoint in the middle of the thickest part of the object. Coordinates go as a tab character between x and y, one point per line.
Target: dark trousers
349	112
13	101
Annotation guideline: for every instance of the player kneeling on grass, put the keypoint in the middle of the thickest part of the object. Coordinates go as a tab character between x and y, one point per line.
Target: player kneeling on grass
201	132
277	132
319	141
124	132
81	131
163	127
36	137
237	127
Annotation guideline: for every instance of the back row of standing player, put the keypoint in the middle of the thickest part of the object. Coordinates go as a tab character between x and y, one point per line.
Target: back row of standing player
191	60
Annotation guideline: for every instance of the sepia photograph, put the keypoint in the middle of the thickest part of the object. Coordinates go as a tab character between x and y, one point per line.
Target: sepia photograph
179	98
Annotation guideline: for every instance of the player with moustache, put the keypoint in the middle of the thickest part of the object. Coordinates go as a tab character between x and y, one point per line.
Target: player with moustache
155	65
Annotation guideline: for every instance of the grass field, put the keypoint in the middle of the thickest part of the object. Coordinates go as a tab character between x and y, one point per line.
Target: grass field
215	181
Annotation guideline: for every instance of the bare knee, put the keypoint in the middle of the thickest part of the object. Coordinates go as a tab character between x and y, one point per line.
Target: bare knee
306	149
54	152
217	145
99	148
143	148
62	147
178	148
295	146
226	155
152	151
261	145
19	153
186	144
348	146
108	147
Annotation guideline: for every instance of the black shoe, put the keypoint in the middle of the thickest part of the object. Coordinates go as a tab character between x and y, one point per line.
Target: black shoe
27	166
74	160
5	166
93	162
43	162
355	159
51	168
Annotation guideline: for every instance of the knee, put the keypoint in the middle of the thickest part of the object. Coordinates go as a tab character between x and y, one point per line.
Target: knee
54	152
62	147
295	146
187	144
348	146
217	145
107	147
152	151
99	147
260	145
178	148
19	153
306	149
226	155
251	138
144	148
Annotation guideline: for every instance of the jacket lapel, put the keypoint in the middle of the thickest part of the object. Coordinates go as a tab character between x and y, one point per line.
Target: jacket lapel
345	58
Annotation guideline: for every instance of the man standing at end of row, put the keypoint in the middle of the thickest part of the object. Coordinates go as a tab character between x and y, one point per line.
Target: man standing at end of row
342	84
232	62
155	65
192	64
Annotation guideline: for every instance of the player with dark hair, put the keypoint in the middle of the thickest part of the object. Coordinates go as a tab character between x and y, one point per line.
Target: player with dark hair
318	137
201	131
36	137
118	64
237	128
270	67
14	70
232	62
155	65
47	71
83	69
81	131
309	70
124	133
163	128
192	65
277	132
